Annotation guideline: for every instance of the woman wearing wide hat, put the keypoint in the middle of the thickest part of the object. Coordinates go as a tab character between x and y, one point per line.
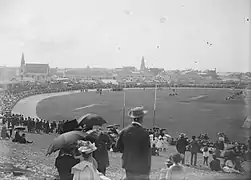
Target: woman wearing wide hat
87	168
134	143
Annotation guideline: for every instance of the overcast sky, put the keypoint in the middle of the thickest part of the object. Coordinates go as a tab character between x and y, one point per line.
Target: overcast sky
173	34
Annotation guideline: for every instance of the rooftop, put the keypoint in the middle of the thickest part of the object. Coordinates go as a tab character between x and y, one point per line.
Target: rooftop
36	68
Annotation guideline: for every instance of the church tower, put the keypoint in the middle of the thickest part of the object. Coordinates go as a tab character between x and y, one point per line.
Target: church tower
142	66
22	67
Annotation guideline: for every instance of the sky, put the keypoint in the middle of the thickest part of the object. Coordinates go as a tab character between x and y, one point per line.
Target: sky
170	34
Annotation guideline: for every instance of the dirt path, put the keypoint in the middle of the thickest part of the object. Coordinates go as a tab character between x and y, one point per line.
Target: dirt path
27	106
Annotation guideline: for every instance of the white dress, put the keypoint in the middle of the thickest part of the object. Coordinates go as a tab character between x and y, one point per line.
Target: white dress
155	140
151	141
85	170
206	154
165	142
159	144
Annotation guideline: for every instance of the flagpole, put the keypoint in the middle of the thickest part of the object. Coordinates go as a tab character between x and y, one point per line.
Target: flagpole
154	106
123	117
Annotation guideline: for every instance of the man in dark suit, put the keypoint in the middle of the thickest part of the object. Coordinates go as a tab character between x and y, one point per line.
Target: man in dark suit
134	143
102	141
181	146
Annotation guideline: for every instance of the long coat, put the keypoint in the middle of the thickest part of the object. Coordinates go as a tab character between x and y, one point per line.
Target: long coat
134	143
64	164
181	145
4	132
102	142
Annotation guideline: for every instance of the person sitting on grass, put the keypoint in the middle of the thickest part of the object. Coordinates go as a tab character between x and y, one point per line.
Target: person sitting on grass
23	140
229	167
155	151
215	164
17	137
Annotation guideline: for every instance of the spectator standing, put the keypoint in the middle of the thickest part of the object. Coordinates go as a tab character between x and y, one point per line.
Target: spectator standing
151	139
165	143
11	128
181	146
4	134
159	144
194	149
102	142
205	155
134	143
64	162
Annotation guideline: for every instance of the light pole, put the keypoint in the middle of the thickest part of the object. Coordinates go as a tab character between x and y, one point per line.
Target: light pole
154	106
123	113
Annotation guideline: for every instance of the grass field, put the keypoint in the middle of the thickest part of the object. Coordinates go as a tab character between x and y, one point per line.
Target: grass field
193	111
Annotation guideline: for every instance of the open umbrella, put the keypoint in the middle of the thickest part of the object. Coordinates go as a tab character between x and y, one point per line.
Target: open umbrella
90	120
64	140
21	128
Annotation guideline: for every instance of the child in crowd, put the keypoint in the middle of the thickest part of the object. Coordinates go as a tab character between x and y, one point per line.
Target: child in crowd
155	151
205	155
165	143
159	144
175	171
151	140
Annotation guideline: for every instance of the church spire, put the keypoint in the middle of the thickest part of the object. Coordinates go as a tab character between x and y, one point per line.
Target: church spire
22	67
142	66
22	60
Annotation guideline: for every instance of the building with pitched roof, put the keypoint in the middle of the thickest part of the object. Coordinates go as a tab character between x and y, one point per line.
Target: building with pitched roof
38	72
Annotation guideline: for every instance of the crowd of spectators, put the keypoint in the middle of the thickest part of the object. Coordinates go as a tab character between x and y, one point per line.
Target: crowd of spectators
158	138
10	97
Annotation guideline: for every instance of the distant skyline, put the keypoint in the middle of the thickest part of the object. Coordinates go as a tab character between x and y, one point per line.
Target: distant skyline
170	34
